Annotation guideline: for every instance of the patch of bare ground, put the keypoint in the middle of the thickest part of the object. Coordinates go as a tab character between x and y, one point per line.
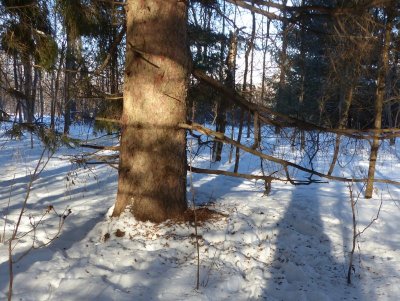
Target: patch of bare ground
203	215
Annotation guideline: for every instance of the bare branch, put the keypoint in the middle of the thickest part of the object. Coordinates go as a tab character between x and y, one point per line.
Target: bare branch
274	118
221	137
113	148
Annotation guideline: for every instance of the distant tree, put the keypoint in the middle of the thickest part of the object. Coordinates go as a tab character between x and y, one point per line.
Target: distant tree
78	19
381	91
303	63
28	37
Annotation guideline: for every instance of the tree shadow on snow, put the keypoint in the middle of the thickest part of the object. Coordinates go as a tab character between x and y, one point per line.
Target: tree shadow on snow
66	239
304	266
79	198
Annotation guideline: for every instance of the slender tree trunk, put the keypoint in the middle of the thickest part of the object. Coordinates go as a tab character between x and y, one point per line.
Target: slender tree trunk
220	120
220	126
253	35
389	120
257	131
237	154
265	50
36	78
41	99
392	78
69	75
18	110
342	124
152	170
29	102
233	120
257	123
56	87
52	100
379	101
231	59
242	112
283	65
302	69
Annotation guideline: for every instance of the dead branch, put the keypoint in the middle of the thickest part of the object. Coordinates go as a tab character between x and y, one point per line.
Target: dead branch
93	159
231	174
374	219
113	48
250	176
269	116
101	147
317	10
108	119
257	10
221	137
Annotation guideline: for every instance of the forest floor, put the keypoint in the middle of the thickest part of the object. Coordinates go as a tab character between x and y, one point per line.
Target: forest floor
292	244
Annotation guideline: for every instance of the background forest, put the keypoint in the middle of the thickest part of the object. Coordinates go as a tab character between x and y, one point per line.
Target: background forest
322	65
199	150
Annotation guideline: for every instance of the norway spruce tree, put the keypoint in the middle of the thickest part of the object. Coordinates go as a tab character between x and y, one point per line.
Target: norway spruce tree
152	171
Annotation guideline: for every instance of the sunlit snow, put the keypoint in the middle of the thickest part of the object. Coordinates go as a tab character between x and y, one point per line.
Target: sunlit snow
290	245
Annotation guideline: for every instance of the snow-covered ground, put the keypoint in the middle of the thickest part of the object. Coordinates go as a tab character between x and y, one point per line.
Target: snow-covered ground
290	245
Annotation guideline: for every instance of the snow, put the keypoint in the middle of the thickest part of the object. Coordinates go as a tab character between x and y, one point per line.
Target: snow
290	245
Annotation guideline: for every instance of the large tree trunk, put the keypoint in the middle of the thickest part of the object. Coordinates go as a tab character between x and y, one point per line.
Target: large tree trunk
152	171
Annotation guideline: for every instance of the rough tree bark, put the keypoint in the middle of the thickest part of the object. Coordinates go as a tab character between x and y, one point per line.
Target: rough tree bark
152	170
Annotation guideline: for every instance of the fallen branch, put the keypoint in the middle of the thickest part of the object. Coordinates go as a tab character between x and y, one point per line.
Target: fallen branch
250	176
230	174
88	159
221	137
